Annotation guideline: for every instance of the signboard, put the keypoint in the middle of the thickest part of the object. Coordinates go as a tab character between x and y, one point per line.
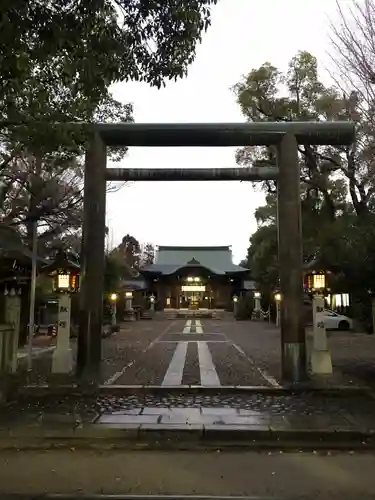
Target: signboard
193	288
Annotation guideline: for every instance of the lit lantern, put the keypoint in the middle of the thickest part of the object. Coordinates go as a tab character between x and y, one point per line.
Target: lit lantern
152	299
316	282
235	299
257	295
278	297
113	297
65	273
128	295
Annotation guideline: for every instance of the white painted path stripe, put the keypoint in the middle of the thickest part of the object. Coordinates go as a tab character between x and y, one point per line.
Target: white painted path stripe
198	326
187	328
194	341
117	375
207	369
176	367
272	381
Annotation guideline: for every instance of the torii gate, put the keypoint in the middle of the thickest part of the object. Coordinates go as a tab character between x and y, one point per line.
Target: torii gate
286	136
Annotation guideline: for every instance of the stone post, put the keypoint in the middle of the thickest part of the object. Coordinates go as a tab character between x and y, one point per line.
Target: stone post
278	313
235	306
152	303
257	305
129	301
92	266
62	358
129	313
114	313
12	317
290	262
320	358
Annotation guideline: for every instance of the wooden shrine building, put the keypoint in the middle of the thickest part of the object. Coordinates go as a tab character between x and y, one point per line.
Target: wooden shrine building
194	277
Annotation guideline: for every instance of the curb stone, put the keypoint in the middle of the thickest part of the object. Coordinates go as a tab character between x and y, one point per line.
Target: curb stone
75	390
148	436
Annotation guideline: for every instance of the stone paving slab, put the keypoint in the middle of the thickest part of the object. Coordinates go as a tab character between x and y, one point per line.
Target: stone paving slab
151	418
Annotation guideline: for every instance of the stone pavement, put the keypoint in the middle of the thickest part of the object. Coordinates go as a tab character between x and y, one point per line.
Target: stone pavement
353	354
171	418
214	353
271	474
200	381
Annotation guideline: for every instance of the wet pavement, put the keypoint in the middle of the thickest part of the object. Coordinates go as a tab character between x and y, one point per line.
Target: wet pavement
183	374
248	416
217	352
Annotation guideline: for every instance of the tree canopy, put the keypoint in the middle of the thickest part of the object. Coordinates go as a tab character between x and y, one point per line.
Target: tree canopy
85	46
337	183
57	60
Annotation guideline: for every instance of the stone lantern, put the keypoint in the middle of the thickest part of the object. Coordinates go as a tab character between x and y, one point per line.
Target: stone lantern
320	357
65	275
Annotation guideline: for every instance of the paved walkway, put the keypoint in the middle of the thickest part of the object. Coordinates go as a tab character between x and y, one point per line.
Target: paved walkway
151	417
190	352
218	353
312	476
217	379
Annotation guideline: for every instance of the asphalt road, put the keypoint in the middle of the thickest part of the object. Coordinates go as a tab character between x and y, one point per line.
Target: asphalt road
288	475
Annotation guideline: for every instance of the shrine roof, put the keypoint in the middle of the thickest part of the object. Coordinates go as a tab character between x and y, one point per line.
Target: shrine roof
216	259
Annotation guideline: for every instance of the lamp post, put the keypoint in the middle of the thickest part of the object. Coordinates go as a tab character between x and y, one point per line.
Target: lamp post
235	305
257	307
152	303
113	297
278	299
65	274
320	357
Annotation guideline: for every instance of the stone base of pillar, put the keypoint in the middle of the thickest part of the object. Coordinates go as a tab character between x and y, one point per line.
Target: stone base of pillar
129	316
294	363
320	362
62	361
256	315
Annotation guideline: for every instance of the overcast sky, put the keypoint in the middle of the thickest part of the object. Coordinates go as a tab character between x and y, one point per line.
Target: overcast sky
244	34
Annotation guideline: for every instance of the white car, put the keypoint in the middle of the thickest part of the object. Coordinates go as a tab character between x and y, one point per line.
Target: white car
336	321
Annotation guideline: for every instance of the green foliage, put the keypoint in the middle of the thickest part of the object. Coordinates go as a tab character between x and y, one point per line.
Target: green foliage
337	184
57	60
245	307
128	252
327	173
85	46
115	272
